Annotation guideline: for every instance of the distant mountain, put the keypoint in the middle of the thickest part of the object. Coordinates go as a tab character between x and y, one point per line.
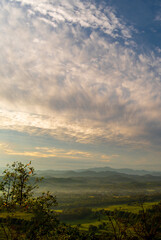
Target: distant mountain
107	182
95	172
104	181
126	171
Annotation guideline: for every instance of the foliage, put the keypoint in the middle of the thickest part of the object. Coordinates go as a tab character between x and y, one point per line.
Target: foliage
16	184
146	225
44	220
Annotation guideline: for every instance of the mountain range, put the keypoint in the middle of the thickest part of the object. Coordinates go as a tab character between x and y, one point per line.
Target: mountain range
95	172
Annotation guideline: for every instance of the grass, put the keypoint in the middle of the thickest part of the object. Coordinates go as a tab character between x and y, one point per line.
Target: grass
85	223
135	208
19	215
58	211
85	226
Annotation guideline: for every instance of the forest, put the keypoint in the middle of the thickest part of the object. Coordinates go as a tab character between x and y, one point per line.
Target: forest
28	210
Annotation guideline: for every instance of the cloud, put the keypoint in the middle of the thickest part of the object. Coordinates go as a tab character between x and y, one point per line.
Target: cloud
74	84
46	152
84	13
158	14
158	17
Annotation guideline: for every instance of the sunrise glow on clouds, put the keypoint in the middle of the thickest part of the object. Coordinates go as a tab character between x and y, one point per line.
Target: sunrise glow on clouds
78	75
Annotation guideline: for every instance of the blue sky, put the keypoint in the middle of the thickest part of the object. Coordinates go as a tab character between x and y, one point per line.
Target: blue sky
80	83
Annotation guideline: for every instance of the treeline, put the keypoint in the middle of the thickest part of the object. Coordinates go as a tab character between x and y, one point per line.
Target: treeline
101	200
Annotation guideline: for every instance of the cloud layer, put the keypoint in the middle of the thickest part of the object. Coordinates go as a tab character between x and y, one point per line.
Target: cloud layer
71	70
54	153
83	13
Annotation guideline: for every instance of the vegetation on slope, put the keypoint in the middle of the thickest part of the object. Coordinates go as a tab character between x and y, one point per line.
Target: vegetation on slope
24	215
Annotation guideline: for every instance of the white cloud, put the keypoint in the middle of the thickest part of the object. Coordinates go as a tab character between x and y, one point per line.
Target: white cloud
78	12
69	84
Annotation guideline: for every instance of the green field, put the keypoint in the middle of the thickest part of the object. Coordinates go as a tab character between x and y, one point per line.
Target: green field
135	208
85	222
19	215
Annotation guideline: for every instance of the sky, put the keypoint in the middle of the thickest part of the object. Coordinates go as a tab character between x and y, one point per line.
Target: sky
80	83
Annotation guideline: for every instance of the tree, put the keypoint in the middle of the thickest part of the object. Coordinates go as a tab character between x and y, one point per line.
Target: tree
18	183
145	225
44	220
17	186
148	225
